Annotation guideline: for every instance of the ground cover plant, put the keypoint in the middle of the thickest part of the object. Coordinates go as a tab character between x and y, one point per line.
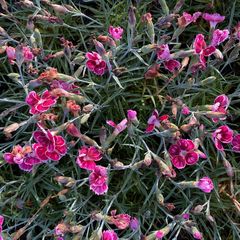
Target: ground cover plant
119	119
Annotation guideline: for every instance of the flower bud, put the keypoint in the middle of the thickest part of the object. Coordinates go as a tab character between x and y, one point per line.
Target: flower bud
227	165
99	47
65	181
73	130
131	16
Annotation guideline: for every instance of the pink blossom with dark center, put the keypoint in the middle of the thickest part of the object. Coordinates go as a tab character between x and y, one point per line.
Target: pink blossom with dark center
39	104
95	63
163	52
221	104
23	157
98	180
236	143
205	184
219	36
87	156
121	221
172	65
109	235
49	146
213	19
118	128
70	87
221	135
183	153
155	121
115	32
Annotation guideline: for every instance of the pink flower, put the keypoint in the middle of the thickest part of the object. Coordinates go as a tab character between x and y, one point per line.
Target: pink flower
118	128
95	63
87	156
172	65
134	224
221	135
131	115
40	104
147	17
98	180
203	50
49	146
213	19
159	234
163	52
205	184
109	235
155	121
27	54
23	157
221	104
219	36
197	235
236	143
11	54
121	221
70	87
185	110
184	153
115	32
186	216
187	18
1	223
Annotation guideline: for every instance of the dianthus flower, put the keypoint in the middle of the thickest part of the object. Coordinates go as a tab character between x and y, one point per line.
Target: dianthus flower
213	19
121	221
220	104
109	235
219	36
205	184
236	143
95	63
155	121
115	32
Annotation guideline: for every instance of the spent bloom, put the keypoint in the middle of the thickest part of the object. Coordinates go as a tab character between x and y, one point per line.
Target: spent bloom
134	224
39	104
121	221
49	146
26	51
172	65
70	87
205	184
132	115
24	157
236	143
163	52
187	18
223	134
213	19
183	153
115	32
98	180
109	235
118	128
87	156
219	36
95	63
220	104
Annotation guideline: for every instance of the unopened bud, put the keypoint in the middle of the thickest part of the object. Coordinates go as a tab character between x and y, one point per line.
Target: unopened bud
227	165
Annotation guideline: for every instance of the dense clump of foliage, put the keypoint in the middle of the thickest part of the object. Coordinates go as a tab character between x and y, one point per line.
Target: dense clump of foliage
119	119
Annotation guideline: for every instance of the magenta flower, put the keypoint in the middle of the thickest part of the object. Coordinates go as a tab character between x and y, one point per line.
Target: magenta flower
221	104
95	63
26	51
155	121
185	110
159	234
219	36
205	184
118	128
184	153
163	52
115	32
98	180
40	104
236	143
202	50
197	235
109	235
87	156
1	223
49	146
27	54
70	87
213	19
23	157
221	135
172	65
131	115
121	221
